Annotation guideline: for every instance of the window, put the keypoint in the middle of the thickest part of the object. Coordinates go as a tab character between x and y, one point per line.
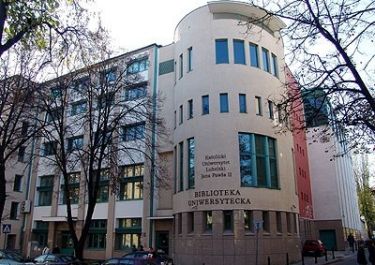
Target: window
254	57
288	224
56	93
97	234
175	119
131	182
53	114
73	188
258	106
181	61
136	92
181	115
228	220
274	68
166	67
133	132
190	222
40	233
266	221
239	52
21	154
181	166
24	128
103	186
258	162
128	233
266	60
248	220
205	105
17	184
190	59
270	110
106	100
224	107
222	51
78	107
14	210
191	163
190	109
45	190
279	228
138	66
179	223
207	221
175	168
75	143
242	103
49	148
109	77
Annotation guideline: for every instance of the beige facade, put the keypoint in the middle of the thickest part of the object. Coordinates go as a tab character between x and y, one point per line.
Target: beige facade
224	191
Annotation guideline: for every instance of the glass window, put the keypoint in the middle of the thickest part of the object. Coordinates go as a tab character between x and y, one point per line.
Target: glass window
258	161
190	59
222	51
224	105
78	107
181	115
138	66
24	128
205	105
248	220
254	57
175	169
136	92
242	103
228	220
97	234
14	210
131	182
266	60
190	109
133	132
190	222
179	223
181	61
274	69
106	100
21	154
191	163
266	221
239	52
181	166
54	114
75	143
279	228
175	119
17	185
258	105
270	110
288	224
207	216
49	148
56	93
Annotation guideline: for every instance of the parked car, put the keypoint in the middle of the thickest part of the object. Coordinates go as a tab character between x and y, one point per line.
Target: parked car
9	257
56	259
141	258
313	247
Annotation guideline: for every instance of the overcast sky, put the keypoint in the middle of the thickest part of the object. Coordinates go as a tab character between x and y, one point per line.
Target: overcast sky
134	24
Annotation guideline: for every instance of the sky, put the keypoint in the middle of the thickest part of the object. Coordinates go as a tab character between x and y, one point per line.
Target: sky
135	24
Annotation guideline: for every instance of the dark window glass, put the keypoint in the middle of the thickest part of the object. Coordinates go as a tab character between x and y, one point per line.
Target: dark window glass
13	210
21	154
75	143
224	105
279	228
45	190
190	222
181	119
97	234
254	57
248	221
54	114
49	148
266	221
242	103
136	92
239	52
266	60
179	228
24	128
270	110
78	107
273	163
260	160
181	59
181	166
190	109
275	67
258	105
222	51
138	66
17	185
228	220
246	160
133	132
205	105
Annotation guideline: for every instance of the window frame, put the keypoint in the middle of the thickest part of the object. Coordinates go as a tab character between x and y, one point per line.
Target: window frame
239	51
205	105
221	51
224	103
254	60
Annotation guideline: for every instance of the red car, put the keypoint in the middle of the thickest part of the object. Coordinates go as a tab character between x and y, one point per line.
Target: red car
313	247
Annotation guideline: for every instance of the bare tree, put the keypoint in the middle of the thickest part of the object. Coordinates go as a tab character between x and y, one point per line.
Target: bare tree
99	117
330	50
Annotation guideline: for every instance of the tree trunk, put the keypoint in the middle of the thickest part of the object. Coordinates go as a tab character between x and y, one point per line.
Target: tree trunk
2	186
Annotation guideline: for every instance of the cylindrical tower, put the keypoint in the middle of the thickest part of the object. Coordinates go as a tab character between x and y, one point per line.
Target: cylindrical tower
235	195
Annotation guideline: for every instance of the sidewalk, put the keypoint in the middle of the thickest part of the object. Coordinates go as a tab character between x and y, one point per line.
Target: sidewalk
339	255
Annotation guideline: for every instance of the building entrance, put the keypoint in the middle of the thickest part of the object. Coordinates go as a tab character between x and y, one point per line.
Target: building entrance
66	243
328	237
162	241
